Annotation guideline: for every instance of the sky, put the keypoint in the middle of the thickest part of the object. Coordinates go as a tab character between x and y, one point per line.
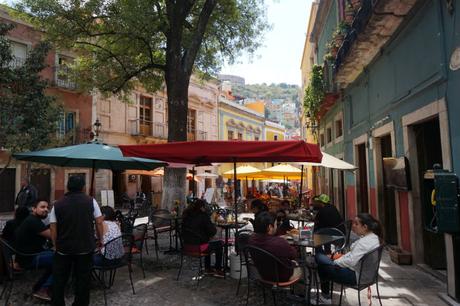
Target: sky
278	60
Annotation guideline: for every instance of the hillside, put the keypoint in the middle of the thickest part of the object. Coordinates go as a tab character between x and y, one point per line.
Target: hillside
268	92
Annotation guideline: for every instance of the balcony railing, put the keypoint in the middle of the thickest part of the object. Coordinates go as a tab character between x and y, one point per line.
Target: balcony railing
62	79
140	127
197	135
17	62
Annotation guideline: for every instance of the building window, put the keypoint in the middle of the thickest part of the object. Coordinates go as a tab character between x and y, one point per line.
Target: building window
338	128
191	124
67	126
240	136
275	137
321	139
19	52
329	134
230	135
145	115
256	138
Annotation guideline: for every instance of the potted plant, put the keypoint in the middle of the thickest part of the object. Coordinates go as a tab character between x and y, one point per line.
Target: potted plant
328	57
340	33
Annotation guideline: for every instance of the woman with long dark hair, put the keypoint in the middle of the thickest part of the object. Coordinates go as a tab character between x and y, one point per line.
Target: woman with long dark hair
346	268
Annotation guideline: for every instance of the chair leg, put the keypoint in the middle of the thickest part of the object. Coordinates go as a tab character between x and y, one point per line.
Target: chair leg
378	292
247	292
142	265
341	292
8	292
239	280
180	268
156	245
274	297
263	292
146	246
359	298
130	270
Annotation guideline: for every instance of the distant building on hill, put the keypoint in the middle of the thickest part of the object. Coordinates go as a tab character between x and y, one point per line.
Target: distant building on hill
234	79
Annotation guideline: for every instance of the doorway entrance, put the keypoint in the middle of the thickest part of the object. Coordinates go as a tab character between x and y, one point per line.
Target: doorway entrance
118	187
388	209
41	179
362	187
428	145
7	189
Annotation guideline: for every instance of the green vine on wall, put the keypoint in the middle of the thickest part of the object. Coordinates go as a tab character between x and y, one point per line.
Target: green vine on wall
314	93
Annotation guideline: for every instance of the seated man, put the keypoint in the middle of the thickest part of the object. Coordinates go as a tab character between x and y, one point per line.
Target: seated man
199	230
327	214
264	238
31	236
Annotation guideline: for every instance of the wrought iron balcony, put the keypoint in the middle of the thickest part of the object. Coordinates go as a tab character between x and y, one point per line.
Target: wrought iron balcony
140	127
62	78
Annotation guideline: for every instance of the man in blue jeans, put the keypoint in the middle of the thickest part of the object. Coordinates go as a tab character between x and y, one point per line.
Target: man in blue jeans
31	237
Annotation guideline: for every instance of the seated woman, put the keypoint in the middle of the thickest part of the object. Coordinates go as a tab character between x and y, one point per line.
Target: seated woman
346	268
111	230
199	230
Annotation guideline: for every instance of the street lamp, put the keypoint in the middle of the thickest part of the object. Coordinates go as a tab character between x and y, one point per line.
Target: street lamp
97	129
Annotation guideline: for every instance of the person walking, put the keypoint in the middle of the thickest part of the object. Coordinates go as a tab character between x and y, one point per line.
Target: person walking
72	232
28	194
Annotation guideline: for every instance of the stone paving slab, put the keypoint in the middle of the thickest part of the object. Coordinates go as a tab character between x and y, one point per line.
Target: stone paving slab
400	285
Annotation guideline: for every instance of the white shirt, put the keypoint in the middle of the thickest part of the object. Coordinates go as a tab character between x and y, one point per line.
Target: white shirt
96	212
358	249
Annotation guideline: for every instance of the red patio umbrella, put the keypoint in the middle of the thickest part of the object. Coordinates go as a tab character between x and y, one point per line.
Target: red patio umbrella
205	152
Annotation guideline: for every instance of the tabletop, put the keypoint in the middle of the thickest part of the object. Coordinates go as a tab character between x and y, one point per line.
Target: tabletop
317	241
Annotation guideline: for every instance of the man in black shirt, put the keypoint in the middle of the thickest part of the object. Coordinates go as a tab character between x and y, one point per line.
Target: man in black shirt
28	194
31	237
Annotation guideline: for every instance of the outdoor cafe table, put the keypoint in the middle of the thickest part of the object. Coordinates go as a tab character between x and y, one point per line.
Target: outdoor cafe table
173	219
227	227
317	240
300	219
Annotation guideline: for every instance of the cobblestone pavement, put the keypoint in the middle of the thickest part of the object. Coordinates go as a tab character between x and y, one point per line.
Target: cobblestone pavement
400	285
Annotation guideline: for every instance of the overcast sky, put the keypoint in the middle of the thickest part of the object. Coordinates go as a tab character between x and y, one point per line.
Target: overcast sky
279	60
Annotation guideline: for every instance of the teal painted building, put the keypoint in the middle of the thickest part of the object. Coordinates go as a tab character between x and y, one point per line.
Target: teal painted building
398	78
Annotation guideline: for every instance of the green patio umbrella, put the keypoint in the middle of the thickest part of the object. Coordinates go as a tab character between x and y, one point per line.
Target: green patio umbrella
93	155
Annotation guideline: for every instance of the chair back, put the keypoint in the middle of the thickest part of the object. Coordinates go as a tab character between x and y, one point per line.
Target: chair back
126	222
113	249
7	259
338	244
268	266
242	240
156	219
139	235
369	267
189	247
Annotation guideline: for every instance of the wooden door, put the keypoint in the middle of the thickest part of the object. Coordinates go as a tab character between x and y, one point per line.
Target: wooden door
7	190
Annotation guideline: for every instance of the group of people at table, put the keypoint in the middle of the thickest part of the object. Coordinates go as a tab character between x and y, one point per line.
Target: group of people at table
63	238
269	231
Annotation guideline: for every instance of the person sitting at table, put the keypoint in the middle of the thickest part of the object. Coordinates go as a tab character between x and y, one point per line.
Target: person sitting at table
282	222
264	238
31	236
327	214
345	269
8	233
110	231
200	231
257	206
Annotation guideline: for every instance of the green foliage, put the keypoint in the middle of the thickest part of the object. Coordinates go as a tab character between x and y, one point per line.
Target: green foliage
123	42
28	118
267	92
314	93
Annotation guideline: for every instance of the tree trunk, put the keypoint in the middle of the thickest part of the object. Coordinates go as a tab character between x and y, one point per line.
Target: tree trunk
174	178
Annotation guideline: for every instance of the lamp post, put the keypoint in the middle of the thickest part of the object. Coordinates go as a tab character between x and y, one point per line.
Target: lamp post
97	129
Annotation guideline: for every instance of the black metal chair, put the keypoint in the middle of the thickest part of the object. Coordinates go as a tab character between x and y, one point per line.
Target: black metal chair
192	250
10	274
110	267
369	266
241	241
159	225
264	268
139	238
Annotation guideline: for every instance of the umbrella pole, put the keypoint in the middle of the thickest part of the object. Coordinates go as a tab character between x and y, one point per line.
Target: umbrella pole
193	181
91	191
247	187
234	192
300	189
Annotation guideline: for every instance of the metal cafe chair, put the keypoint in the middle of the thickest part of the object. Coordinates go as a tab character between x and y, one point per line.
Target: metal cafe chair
241	241
369	266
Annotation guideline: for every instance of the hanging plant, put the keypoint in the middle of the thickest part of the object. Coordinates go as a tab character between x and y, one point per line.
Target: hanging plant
314	93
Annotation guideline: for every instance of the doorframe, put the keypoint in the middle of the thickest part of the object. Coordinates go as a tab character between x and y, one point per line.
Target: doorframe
438	109
384	130
362	139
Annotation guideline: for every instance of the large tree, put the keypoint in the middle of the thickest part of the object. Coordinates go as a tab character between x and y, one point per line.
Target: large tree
28	117
123	43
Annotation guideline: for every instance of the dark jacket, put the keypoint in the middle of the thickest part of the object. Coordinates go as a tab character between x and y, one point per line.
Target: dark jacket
75	224
27	196
280	248
329	216
197	227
